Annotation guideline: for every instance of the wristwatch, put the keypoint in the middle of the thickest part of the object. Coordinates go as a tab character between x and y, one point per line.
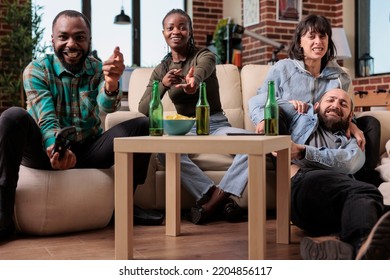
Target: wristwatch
111	93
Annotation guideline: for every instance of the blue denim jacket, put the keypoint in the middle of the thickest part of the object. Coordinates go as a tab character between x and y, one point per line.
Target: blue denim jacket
294	82
348	158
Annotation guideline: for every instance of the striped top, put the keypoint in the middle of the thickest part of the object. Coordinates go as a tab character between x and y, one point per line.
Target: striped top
57	98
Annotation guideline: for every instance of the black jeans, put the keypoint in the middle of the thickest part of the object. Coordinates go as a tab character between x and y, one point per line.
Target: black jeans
21	143
372	132
324	202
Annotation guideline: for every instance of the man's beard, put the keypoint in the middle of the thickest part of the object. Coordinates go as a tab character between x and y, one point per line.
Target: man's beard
332	124
74	68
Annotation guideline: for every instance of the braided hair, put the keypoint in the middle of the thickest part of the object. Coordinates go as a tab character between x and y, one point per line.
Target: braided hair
191	45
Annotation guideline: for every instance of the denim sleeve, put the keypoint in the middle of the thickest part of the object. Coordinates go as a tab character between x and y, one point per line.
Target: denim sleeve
347	159
256	106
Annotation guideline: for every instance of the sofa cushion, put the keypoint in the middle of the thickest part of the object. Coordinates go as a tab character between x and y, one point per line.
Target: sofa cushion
52	202
215	162
383	117
384	166
139	79
384	188
120	116
230	93
252	77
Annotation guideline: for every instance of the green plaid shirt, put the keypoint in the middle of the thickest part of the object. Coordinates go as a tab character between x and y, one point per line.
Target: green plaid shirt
56	98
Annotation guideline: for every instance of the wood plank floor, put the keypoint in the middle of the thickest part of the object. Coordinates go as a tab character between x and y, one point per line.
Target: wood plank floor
217	240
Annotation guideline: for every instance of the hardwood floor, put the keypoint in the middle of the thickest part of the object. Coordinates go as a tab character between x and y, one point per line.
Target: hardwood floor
216	240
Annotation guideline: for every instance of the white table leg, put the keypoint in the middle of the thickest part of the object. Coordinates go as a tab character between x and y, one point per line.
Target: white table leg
283	202
256	207
172	193
123	206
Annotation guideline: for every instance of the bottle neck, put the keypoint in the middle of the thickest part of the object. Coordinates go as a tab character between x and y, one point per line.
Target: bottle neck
202	95
155	93
271	92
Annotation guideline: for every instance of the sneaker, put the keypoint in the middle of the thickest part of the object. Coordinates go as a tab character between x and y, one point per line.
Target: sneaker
377	244
147	217
232	211
326	248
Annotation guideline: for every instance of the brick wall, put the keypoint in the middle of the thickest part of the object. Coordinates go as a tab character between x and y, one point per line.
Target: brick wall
256	52
205	16
207	13
371	83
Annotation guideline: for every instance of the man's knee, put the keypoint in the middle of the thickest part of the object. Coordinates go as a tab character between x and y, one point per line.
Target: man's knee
12	117
14	112
133	127
138	126
368	122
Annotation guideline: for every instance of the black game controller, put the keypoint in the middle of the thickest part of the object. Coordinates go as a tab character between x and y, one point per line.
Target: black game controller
63	140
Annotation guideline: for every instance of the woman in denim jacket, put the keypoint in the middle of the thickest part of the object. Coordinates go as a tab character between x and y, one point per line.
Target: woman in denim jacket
302	79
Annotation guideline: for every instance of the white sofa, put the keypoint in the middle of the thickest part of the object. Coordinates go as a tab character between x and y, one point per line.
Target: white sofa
49	202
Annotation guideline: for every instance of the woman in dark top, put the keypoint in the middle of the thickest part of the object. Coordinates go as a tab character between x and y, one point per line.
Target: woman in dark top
179	75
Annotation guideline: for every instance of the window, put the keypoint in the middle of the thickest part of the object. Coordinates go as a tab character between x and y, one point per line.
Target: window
153	46
372	33
106	35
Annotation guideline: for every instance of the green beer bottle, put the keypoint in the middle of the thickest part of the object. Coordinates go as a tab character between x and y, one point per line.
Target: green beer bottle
271	111
202	112
155	112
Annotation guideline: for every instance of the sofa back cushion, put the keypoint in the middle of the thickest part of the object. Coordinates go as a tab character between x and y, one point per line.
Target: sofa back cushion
139	79
229	84
252	77
230	93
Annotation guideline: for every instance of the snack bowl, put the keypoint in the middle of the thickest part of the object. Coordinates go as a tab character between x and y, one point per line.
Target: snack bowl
178	126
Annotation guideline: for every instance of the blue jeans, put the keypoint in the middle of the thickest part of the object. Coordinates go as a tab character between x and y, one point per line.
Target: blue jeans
197	182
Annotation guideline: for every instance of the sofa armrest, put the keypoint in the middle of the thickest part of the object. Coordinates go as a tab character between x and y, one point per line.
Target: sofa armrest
383	117
113	119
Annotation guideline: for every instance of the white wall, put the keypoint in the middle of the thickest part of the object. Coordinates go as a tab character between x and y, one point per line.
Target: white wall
232	9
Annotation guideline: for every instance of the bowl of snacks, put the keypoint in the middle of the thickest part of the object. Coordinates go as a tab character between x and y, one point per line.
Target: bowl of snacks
178	124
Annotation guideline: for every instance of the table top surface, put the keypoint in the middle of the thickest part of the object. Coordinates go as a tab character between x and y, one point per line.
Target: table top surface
248	144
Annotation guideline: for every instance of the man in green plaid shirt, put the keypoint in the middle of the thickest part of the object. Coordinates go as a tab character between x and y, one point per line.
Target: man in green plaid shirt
68	88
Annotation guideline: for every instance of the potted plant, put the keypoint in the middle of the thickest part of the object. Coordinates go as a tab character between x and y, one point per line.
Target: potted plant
18	47
225	40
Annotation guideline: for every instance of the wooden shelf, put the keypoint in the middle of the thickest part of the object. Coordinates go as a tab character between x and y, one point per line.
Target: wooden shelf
366	100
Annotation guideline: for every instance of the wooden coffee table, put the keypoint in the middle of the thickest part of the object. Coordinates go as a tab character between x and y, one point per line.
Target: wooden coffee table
255	146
